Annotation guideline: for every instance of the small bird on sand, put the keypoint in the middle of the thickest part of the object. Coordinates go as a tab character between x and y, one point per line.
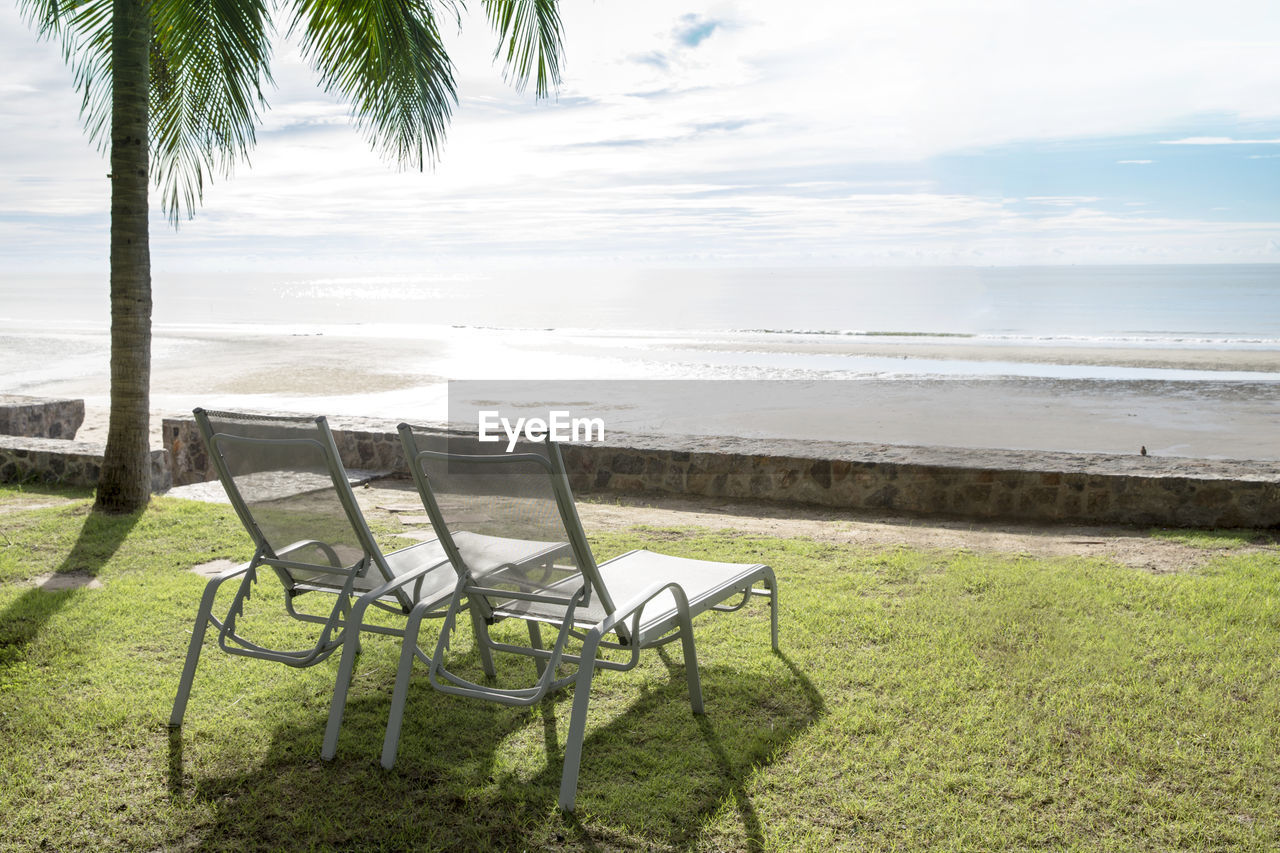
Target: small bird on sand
1143	451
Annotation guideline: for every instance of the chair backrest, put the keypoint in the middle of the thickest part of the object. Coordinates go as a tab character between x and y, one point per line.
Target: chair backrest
287	483
508	519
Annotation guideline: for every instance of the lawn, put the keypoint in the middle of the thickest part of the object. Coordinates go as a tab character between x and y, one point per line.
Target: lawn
922	701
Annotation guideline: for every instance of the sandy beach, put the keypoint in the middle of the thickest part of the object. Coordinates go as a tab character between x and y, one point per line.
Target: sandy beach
404	376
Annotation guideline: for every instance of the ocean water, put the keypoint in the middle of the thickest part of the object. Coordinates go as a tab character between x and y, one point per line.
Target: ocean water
1216	304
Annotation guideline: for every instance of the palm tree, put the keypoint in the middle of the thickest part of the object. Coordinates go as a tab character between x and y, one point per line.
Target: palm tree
173	90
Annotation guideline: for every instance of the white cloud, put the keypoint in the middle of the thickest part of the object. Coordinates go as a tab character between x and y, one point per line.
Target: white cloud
1135	162
1218	140
761	133
1061	201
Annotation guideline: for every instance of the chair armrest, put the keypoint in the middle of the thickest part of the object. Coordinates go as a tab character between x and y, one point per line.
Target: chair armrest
635	606
325	547
374	594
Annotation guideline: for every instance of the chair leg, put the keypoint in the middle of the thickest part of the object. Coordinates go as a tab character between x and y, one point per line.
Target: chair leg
535	640
408	650
347	617
578	722
193	653
480	629
773	609
691	662
350	648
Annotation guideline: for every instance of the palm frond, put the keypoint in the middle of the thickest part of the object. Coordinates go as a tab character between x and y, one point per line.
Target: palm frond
83	28
208	65
44	16
530	33
386	58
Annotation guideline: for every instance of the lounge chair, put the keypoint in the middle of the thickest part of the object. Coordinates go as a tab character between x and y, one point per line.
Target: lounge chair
638	600
288	486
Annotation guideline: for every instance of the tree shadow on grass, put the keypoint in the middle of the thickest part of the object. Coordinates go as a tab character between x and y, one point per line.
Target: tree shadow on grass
26	616
474	775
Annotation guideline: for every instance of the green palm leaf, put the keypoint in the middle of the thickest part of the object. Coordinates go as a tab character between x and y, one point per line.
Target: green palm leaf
386	58
83	27
530	32
208	64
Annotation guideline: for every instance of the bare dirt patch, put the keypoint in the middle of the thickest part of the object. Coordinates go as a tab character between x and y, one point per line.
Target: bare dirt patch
213	568
18	502
76	579
676	517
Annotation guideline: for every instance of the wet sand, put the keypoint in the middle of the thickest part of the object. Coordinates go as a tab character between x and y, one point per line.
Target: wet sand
1190	357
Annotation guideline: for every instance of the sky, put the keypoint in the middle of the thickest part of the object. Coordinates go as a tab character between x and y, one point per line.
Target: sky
740	133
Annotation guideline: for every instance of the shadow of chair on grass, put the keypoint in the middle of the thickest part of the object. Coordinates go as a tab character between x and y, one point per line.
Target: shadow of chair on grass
748	723
460	783
292	799
100	536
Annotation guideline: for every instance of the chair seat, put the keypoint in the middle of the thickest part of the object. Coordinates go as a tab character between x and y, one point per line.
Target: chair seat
436	586
705	582
483	554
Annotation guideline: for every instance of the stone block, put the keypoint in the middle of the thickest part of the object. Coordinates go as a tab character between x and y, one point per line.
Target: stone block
71	463
820	473
40	417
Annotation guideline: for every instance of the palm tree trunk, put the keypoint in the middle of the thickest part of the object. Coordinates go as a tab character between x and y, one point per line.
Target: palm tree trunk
125	481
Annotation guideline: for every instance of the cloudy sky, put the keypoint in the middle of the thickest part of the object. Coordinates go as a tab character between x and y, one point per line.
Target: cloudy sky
736	133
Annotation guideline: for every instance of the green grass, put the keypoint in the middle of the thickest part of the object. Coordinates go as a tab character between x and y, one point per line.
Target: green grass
1216	539
922	701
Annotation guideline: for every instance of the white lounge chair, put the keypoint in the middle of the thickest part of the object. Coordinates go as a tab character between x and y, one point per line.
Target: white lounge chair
287	484
638	600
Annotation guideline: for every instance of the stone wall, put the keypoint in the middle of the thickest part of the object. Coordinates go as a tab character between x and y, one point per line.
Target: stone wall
40	417
930	481
362	444
72	463
955	482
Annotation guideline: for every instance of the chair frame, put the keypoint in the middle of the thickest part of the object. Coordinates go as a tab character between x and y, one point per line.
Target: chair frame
622	620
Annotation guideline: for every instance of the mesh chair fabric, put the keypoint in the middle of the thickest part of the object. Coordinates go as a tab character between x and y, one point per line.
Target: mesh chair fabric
283	473
503	516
